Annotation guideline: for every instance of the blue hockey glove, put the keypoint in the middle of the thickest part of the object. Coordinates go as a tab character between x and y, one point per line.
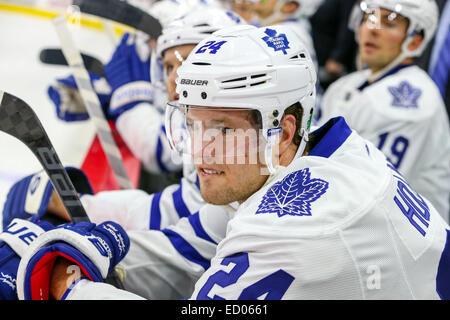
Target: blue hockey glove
14	241
68	102
31	195
94	249
128	74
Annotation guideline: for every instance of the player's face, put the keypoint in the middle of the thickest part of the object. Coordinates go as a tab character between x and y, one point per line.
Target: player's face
173	58
380	38
223	181
244	8
265	8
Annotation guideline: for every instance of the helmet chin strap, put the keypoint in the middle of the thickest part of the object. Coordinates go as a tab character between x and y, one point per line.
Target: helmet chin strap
301	148
268	152
272	140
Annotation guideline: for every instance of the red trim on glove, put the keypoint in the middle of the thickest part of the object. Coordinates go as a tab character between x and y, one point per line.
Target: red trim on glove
42	272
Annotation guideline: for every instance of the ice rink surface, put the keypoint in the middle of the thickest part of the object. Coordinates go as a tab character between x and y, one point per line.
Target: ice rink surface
23	34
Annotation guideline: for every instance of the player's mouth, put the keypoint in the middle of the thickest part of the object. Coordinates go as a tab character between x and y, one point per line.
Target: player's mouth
205	172
370	46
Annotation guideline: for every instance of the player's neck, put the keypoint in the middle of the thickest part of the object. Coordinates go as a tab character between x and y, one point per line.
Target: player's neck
376	69
289	155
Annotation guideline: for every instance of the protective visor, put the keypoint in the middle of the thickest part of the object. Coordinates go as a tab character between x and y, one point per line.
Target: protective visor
216	134
374	17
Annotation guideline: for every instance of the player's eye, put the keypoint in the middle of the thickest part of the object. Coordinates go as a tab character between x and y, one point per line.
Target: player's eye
226	130
168	69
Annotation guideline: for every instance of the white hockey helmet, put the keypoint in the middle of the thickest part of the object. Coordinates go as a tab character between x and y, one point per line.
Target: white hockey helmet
194	27
266	69
190	28
423	16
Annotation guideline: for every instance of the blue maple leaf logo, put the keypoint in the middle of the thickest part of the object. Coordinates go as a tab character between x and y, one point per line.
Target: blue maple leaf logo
293	195
277	42
405	95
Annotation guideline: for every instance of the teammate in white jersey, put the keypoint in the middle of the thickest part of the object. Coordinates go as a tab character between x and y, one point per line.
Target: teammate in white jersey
314	216
393	103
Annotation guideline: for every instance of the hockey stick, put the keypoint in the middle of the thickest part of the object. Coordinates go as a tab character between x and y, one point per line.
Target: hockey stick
92	102
55	56
123	12
19	120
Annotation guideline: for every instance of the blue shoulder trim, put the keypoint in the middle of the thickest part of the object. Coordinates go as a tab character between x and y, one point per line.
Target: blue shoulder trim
155	212
178	202
159	151
197	181
185	249
330	137
196	224
391	72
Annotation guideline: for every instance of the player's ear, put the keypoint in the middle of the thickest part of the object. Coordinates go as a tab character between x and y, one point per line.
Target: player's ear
289	7
416	41
288	124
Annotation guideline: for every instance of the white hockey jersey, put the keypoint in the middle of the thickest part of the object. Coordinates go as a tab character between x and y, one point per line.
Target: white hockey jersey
404	116
340	223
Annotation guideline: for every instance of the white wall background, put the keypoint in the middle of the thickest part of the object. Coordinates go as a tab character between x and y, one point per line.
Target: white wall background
22	37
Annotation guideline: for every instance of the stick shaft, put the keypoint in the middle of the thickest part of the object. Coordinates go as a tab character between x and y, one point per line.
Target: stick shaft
92	102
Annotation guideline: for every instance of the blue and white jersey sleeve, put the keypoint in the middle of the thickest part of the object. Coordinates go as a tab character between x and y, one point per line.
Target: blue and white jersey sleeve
138	210
166	264
142	128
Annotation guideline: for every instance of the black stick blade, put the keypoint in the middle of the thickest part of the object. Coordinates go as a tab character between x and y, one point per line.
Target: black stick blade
123	12
20	121
55	56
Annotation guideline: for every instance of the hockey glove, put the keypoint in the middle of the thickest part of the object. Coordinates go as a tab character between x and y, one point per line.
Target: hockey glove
94	249
68	102
31	195
128	74
14	241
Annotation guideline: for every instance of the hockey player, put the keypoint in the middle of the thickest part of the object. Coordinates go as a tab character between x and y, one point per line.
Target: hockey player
333	219
392	102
